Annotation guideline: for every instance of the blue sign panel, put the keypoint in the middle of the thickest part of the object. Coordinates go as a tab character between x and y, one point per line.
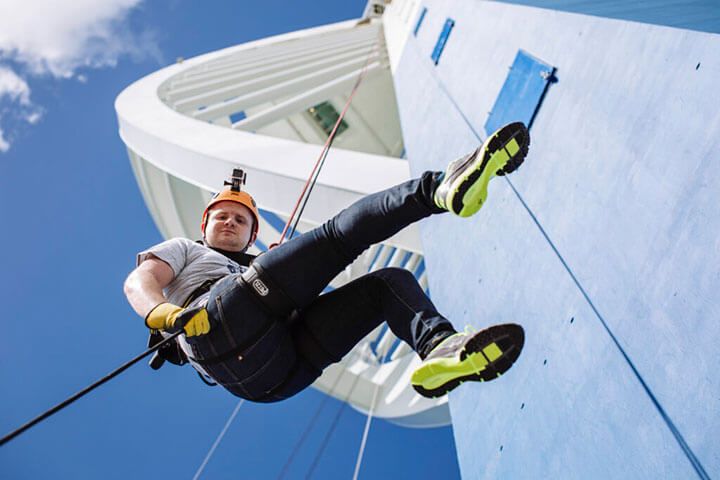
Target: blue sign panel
420	20
237	116
442	40
522	93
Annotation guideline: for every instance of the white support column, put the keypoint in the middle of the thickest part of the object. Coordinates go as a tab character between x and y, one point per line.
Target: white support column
383	346
369	255
401	350
139	167
414	262
381	258
396	259
171	216
423	281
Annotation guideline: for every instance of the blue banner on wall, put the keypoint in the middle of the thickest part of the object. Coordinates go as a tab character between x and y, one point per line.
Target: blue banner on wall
522	93
442	40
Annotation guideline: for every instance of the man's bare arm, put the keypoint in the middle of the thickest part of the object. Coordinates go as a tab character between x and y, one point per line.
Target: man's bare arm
144	286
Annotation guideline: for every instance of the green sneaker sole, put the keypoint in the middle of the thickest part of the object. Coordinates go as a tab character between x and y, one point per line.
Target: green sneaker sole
486	356
502	153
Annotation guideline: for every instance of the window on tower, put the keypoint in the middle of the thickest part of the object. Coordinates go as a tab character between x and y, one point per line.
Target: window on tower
326	116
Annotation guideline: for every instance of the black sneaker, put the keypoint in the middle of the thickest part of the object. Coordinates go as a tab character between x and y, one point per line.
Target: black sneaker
481	356
463	190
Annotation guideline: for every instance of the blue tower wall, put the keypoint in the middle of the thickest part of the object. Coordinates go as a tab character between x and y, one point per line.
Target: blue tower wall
702	15
608	254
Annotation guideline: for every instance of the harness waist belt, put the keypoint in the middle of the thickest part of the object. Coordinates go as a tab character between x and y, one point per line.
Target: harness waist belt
256	280
267	291
234	352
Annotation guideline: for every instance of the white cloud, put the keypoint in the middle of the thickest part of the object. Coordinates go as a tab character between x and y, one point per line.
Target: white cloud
51	38
55	37
13	87
33	117
4	144
15	91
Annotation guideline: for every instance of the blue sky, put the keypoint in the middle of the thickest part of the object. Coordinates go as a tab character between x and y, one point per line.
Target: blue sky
73	220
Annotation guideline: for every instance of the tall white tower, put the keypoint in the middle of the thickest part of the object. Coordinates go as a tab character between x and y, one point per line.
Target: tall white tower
267	107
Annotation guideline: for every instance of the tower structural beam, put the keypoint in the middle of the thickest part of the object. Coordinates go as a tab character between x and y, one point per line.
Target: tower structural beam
242	63
290	50
233	85
305	100
270	93
242	73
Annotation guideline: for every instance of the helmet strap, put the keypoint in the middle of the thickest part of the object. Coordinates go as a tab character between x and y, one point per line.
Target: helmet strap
238	257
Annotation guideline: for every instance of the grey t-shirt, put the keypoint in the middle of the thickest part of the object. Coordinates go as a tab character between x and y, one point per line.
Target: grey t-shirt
193	264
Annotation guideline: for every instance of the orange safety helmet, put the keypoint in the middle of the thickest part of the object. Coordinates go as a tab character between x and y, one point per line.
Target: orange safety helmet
243	198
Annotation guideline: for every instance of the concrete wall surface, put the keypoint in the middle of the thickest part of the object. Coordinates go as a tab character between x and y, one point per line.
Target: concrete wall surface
702	15
623	177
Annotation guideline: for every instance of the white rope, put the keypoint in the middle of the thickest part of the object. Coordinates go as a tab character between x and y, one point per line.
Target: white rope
363	442
365	433
218	440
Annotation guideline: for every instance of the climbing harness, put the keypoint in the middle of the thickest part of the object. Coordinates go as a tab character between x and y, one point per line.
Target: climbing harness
168	352
172	352
269	293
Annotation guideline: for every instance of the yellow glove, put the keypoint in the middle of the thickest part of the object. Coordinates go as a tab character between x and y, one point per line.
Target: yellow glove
171	318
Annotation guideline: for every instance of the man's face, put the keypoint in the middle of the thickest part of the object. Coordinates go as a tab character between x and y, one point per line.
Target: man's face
229	226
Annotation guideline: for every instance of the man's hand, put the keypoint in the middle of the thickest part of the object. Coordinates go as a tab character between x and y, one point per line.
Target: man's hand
171	318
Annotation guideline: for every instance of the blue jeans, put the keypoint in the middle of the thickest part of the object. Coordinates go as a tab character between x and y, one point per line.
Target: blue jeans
264	357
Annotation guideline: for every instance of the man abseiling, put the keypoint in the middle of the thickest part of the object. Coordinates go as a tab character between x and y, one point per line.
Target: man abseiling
266	331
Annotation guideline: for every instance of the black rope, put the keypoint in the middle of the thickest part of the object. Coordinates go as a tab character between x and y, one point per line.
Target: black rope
309	427
329	433
86	390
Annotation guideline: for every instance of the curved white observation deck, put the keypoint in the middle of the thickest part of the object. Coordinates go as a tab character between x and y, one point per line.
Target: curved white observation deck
264	107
